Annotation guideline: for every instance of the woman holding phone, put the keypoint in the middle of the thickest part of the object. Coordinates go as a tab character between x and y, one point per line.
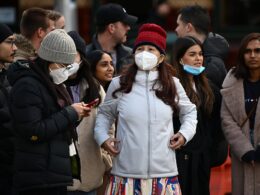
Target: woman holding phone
84	87
44	118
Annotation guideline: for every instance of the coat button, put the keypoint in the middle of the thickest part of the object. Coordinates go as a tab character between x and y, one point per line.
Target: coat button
34	138
186	157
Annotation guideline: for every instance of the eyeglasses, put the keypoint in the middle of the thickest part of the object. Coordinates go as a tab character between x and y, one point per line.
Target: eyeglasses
67	67
10	41
61	65
58	66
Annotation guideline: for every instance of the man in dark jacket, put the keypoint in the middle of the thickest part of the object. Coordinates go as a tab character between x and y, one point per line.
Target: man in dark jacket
195	21
113	23
7	50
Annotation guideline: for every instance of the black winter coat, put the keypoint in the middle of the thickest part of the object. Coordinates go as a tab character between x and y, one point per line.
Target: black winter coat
194	159
41	125
215	50
6	130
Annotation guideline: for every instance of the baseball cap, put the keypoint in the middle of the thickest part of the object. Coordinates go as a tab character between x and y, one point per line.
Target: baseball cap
110	13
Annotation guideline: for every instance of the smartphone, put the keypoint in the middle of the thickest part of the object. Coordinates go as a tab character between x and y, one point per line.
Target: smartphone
93	103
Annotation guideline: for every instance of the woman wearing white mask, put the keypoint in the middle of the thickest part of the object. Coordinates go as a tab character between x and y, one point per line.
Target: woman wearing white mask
82	86
194	159
45	119
143	101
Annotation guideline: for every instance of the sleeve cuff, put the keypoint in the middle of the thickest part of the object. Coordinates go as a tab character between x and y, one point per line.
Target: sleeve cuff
72	114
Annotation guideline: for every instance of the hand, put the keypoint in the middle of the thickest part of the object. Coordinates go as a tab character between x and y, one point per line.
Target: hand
249	157
110	145
81	109
176	141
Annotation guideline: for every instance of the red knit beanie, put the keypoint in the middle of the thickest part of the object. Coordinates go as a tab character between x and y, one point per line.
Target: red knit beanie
151	34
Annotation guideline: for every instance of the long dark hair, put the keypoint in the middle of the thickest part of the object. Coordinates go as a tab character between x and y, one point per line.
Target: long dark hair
167	92
241	70
93	58
41	67
84	72
204	96
59	92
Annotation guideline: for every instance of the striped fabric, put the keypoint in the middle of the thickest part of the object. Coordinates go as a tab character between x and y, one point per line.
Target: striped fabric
130	186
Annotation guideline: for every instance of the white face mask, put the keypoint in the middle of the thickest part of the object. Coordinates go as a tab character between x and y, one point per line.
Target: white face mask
73	68
59	75
146	60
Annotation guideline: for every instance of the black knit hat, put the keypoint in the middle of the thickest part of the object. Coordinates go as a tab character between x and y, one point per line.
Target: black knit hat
79	42
5	32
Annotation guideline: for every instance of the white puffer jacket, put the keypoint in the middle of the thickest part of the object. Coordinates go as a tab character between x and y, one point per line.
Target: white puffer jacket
144	127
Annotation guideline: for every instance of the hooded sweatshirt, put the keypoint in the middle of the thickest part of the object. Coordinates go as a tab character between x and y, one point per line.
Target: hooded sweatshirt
215	49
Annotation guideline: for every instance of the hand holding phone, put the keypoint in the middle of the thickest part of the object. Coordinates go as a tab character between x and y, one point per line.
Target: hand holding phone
93	103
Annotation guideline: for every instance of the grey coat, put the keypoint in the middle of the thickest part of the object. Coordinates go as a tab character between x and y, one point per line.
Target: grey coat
245	177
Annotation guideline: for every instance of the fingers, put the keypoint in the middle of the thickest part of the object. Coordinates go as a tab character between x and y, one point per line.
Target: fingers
111	146
177	141
82	109
86	110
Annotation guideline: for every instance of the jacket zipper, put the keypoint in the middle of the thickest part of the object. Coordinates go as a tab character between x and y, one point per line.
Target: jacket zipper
149	126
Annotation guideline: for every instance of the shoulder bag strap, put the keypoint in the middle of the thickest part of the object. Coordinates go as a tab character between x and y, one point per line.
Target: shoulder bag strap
249	114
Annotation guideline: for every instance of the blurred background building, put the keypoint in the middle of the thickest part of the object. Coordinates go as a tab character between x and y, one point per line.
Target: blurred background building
231	18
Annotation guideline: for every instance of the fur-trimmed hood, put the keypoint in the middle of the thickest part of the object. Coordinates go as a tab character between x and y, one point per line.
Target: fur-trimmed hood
25	48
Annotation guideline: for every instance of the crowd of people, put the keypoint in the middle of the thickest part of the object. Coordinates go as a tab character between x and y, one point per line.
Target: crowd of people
105	118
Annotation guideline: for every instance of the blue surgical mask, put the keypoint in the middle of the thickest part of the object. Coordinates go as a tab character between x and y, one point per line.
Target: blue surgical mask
193	70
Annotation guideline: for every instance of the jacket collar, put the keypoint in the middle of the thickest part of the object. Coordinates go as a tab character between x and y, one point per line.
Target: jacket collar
233	95
143	76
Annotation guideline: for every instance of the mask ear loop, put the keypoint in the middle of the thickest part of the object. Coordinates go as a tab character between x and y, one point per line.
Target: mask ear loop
181	62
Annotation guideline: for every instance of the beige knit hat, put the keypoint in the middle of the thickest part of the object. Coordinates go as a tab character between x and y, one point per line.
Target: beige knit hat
57	46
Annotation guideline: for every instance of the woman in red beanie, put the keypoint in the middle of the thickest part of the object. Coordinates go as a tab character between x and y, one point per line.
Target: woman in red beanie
143	101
